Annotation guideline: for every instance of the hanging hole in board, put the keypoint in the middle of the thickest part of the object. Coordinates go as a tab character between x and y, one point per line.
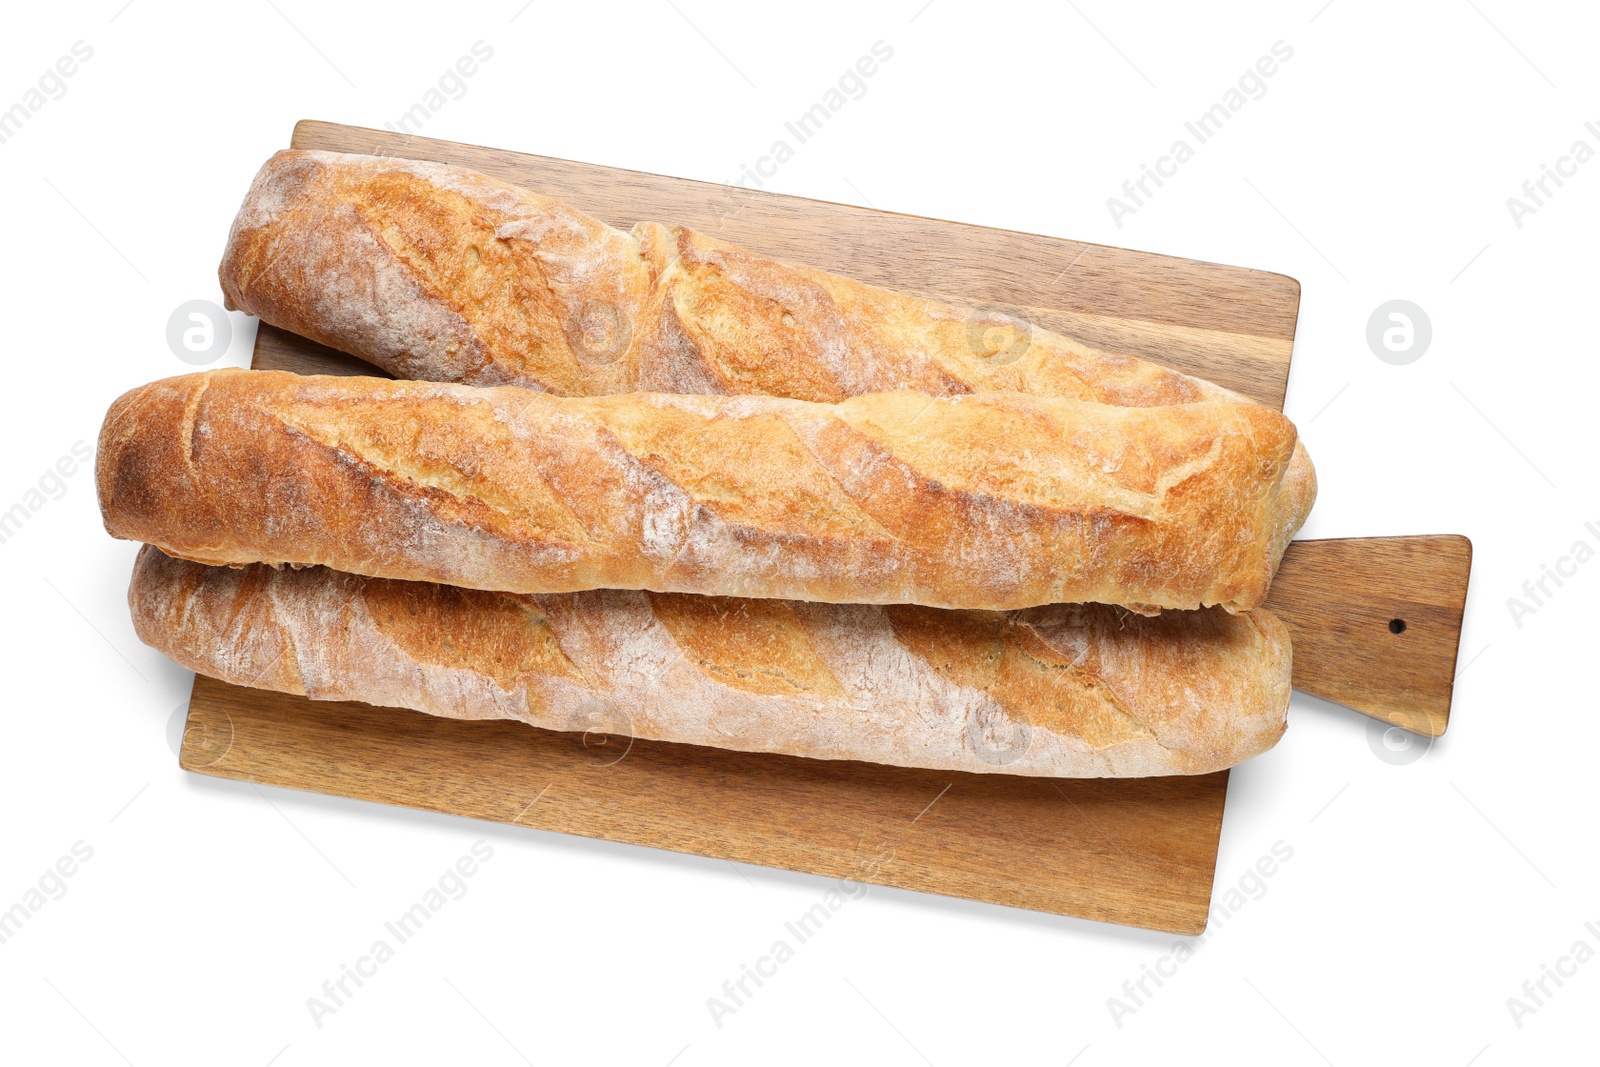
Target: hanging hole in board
1397	626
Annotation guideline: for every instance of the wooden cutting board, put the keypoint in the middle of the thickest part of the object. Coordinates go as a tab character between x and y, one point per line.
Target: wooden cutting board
1139	852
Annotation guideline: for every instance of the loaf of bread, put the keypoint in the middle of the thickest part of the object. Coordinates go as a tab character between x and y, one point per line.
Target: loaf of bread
1063	690
440	273
992	500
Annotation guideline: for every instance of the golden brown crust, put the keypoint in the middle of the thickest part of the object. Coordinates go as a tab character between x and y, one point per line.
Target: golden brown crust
440	273
1064	690
435	272
990	501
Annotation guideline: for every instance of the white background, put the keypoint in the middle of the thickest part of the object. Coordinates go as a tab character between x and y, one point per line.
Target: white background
1420	896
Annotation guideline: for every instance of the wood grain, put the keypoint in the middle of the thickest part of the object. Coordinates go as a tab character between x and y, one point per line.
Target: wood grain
1132	851
1140	852
1376	622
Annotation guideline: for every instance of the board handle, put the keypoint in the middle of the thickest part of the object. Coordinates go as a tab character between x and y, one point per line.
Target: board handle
1376	622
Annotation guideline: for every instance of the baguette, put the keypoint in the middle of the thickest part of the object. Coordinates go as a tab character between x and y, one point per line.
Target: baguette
990	501
440	273
1063	690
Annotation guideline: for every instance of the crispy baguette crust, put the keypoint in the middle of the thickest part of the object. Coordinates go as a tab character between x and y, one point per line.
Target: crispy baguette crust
1063	690
988	501
440	273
